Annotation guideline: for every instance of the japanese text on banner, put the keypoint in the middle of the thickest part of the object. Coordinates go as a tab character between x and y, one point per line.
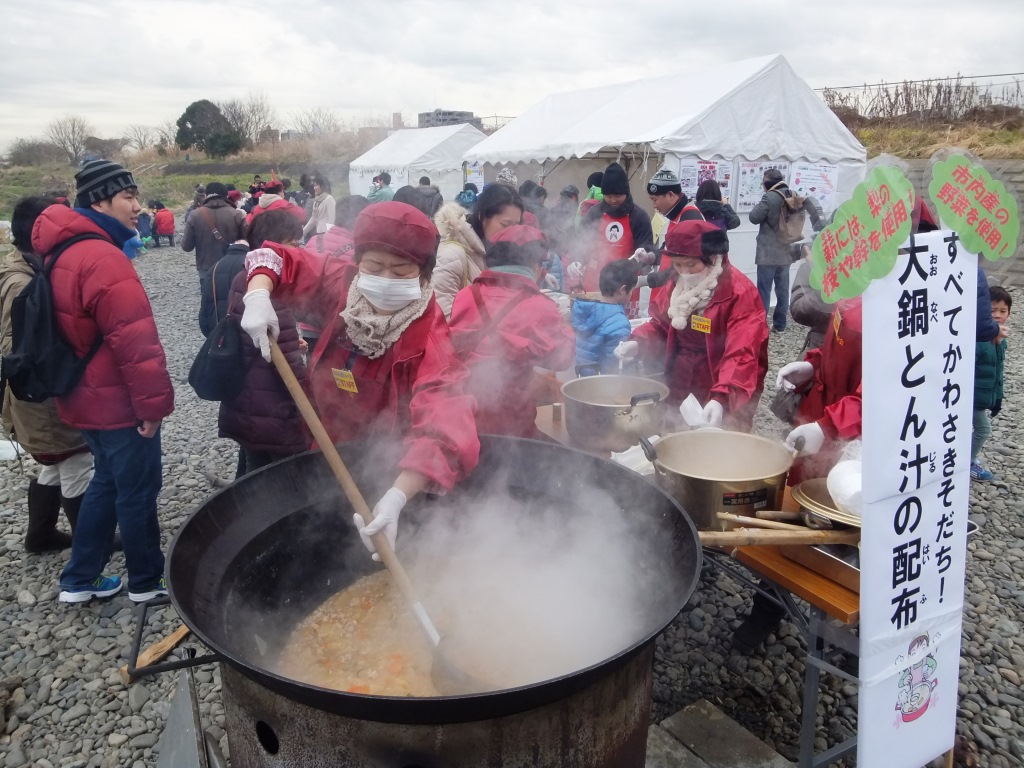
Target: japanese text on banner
919	325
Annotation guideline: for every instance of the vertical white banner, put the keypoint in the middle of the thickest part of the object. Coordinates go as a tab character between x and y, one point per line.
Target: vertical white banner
918	402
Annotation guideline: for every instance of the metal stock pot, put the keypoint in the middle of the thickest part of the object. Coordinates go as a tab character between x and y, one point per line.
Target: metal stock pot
611	413
712	471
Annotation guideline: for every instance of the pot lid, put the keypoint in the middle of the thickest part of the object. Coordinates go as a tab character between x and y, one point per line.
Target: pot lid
814	495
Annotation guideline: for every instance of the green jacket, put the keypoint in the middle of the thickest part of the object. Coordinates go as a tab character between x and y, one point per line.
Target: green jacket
381	195
594	193
988	373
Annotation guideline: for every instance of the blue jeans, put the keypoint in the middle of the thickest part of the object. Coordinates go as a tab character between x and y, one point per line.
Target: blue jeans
123	494
779	275
982	431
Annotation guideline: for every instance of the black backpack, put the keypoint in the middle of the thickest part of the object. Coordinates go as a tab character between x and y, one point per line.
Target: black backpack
41	364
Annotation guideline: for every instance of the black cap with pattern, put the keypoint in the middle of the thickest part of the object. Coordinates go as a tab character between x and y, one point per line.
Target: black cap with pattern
100	180
663	182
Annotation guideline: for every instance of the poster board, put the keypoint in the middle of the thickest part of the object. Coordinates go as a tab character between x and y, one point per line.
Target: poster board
918	395
748	184
817	180
475	175
688	171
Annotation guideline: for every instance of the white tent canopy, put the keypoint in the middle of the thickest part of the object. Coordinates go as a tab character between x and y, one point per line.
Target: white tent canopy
739	114
413	152
752	108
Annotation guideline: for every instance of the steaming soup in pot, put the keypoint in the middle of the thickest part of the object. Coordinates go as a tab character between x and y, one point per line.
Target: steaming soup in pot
362	640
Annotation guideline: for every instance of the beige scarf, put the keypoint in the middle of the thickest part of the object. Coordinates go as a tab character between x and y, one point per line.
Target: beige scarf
687	300
373	333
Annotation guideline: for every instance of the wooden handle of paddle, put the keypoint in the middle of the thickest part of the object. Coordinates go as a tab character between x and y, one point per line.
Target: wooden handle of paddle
747	537
757	522
156	651
777	514
348	485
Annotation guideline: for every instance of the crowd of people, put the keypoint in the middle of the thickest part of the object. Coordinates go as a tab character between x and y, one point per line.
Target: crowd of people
412	319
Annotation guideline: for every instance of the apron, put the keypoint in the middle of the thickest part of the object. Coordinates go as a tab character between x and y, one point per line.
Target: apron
615	241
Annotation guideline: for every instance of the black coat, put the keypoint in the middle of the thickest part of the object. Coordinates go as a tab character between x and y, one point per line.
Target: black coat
264	417
218	283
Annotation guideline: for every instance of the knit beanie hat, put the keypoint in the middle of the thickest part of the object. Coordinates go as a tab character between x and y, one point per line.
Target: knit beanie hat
100	180
396	228
615	181
216	189
507	176
594	179
663	182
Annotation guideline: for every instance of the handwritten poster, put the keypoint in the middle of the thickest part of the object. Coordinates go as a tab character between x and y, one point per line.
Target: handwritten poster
475	175
817	180
968	198
689	170
918	383
751	173
718	170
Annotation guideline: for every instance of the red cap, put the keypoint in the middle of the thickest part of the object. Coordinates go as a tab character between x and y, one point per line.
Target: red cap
397	228
696	239
234	195
520	234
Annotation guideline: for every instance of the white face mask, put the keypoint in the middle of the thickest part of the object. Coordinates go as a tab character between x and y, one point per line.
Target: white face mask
389	294
691	280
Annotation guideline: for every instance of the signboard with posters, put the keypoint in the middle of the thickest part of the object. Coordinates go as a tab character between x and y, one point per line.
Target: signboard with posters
860	244
688	171
475	175
720	171
817	180
918	395
750	174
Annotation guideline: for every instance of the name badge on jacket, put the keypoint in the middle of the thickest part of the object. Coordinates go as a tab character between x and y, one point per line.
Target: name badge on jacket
700	323
345	380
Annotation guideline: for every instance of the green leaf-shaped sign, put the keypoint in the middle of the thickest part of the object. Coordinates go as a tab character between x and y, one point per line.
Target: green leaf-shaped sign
861	243
977	206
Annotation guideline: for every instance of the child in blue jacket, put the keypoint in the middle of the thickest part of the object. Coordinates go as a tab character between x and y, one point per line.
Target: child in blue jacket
988	382
601	325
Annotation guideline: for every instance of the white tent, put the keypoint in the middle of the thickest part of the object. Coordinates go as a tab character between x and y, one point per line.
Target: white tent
411	153
757	111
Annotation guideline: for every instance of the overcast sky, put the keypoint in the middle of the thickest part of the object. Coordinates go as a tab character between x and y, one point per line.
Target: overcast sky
117	62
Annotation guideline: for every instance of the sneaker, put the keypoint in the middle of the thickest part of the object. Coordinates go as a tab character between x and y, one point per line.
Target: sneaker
978	472
104	586
141	597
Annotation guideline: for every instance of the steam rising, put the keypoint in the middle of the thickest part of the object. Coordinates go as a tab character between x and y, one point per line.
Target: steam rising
527	589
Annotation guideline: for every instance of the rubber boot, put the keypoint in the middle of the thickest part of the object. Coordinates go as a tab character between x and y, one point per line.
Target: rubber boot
71	507
43	507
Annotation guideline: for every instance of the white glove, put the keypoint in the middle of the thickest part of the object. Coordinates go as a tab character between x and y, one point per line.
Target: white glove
712	413
627	350
259	320
792	375
575	271
550	282
385	518
813	435
643	257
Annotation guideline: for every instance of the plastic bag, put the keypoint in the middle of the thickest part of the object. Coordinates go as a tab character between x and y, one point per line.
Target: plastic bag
633	458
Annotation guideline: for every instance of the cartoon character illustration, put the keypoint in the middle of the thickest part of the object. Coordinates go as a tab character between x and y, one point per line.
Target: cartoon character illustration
916	682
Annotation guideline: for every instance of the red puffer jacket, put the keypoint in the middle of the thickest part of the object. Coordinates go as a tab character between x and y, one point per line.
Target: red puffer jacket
501	356
834	397
263	417
335	242
96	291
163	222
414	390
275	203
727	364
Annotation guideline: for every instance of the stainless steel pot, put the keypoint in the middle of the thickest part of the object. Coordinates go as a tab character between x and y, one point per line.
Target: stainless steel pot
712	471
611	413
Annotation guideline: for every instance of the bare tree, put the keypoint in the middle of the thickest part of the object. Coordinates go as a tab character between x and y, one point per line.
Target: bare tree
249	117
165	133
69	133
140	136
316	122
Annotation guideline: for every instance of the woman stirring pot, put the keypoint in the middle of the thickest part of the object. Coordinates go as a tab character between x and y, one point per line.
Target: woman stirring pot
707	326
384	365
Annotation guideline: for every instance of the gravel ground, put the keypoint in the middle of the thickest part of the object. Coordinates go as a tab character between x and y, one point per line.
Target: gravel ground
65	705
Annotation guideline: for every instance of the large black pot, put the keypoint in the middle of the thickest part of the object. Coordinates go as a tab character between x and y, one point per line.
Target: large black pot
259	555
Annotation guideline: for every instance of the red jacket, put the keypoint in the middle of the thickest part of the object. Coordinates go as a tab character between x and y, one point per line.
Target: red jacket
501	357
727	364
336	242
834	397
415	390
277	205
96	291
163	222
